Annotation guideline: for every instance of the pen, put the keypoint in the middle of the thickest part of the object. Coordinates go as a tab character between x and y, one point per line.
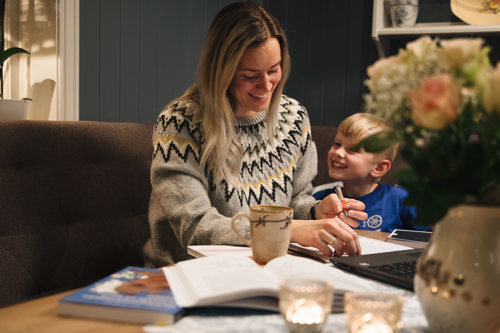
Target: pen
338	191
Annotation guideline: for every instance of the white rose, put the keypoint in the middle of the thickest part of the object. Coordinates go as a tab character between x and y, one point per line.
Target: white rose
380	67
459	51
491	95
422	47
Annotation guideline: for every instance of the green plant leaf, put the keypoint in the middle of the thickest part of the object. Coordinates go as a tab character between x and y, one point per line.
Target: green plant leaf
6	54
377	142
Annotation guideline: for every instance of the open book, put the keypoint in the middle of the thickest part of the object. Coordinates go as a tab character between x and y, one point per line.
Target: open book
236	280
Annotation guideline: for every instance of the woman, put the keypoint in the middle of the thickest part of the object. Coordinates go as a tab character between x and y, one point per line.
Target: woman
232	140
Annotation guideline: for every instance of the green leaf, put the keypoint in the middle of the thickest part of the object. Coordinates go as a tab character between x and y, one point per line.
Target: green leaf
6	54
377	142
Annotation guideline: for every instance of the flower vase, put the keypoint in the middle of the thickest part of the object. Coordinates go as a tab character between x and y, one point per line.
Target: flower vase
458	275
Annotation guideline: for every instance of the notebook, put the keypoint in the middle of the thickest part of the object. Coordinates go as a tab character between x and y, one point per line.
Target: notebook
396	268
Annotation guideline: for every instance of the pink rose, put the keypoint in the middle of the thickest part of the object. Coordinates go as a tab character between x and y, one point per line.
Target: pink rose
435	102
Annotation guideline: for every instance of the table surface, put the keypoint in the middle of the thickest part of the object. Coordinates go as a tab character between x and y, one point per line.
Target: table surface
40	315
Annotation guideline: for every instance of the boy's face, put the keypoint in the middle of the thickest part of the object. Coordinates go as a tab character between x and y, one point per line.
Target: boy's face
347	165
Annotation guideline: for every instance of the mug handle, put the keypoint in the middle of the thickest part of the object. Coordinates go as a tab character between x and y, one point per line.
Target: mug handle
233	226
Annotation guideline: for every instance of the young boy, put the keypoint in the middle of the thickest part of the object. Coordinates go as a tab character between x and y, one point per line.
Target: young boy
361	171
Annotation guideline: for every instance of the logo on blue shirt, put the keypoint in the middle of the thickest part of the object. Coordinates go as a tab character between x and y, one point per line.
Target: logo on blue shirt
373	222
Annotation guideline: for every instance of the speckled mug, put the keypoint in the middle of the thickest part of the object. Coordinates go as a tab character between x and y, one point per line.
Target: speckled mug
270	231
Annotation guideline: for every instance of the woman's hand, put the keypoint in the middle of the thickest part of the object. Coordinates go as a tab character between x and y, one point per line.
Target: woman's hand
332	227
324	232
331	207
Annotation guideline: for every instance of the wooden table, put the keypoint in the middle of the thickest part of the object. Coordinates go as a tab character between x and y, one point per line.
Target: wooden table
40	315
373	234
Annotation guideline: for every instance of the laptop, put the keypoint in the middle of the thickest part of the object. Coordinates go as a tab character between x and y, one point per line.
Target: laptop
396	268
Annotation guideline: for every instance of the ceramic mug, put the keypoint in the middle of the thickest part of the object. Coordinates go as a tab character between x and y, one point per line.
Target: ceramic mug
270	231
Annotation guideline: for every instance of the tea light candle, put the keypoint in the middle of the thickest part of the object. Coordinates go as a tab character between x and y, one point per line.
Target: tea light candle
368	323
305	311
305	304
373	312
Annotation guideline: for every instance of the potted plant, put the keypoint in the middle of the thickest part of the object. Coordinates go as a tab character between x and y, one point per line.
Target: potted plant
9	109
443	98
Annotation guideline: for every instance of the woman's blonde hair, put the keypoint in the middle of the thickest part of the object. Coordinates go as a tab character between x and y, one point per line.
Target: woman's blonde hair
234	29
360	125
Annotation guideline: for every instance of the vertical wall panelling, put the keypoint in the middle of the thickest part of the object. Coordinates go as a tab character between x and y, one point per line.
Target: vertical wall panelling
149	57
89	59
169	53
137	55
362	53
330	47
110	59
129	62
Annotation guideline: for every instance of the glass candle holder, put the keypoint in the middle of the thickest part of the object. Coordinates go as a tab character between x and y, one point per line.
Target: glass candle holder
305	304
373	312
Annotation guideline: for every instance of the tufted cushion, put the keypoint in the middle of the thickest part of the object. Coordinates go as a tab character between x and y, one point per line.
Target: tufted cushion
73	203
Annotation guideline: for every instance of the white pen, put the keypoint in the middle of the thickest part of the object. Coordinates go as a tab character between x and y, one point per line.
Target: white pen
338	191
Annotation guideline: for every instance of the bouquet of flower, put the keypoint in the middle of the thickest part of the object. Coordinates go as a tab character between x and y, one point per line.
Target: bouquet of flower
443	99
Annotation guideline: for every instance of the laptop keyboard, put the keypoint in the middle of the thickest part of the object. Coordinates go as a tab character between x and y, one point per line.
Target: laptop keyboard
404	269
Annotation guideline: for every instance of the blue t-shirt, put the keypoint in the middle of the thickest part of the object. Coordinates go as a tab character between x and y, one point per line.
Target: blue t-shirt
384	207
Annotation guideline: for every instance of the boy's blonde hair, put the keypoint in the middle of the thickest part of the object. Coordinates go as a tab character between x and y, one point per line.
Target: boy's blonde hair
360	125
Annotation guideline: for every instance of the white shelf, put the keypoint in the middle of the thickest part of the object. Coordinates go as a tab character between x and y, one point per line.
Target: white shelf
382	31
439	28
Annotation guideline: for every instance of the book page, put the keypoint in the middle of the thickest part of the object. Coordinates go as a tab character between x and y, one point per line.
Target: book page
216	279
212	250
297	267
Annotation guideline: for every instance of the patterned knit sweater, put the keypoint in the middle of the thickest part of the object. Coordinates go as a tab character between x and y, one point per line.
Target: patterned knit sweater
186	207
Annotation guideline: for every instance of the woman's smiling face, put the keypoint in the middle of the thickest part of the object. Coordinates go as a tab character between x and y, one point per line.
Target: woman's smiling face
258	73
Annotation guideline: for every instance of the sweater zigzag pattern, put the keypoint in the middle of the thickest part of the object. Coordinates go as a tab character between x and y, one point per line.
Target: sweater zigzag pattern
266	169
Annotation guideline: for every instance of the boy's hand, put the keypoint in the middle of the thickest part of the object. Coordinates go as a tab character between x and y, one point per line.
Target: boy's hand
332	207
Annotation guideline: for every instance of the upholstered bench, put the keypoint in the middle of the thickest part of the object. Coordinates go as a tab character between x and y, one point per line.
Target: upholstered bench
74	201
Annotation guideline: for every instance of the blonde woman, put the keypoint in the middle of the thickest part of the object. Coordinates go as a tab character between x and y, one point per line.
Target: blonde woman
233	140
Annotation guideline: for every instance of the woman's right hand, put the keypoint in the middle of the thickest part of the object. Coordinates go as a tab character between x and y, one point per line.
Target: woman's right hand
322	233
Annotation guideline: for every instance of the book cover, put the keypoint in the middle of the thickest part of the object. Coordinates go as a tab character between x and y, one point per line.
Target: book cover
134	295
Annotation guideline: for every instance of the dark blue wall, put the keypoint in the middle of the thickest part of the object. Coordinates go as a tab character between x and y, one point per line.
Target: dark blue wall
137	55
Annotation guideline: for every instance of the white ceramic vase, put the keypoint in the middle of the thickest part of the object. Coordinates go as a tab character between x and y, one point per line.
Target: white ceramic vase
458	275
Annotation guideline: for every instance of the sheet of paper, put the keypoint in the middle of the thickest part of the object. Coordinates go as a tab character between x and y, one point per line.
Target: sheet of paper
368	246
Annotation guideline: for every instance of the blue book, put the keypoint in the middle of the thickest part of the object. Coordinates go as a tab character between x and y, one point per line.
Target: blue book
133	295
